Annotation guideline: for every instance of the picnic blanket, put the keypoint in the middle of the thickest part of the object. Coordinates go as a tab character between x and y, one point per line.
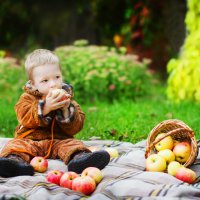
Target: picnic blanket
124	178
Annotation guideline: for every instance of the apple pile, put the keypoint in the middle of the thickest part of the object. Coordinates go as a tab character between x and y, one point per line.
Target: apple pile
85	183
171	155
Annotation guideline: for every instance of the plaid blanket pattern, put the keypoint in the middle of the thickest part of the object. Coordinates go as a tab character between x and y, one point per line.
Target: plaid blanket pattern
124	178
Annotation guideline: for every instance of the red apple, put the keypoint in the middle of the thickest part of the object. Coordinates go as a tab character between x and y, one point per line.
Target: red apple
94	173
55	92
67	179
85	185
155	163
54	176
173	167
176	142
40	164
64	97
186	175
182	152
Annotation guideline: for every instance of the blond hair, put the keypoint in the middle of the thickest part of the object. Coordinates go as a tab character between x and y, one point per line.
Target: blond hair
39	57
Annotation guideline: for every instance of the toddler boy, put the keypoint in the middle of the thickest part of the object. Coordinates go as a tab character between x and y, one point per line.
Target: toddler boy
48	119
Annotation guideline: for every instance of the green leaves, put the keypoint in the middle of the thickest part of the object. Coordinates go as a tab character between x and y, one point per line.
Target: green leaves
184	72
12	78
106	74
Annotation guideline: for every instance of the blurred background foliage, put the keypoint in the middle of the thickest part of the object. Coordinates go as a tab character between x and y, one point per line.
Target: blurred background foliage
184	72
110	51
149	28
97	73
104	74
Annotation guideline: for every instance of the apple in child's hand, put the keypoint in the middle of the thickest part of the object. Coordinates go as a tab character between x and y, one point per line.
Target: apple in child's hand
167	154
40	164
94	173
55	92
182	151
155	163
186	175
54	176
165	143
113	152
85	185
67	179
173	167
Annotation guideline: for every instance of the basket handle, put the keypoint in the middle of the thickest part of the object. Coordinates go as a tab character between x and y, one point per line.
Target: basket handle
149	147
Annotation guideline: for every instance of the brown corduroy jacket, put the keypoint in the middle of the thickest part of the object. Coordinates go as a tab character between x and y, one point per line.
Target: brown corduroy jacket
27	111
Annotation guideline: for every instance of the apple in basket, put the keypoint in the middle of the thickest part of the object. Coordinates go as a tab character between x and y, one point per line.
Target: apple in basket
167	154
54	176
84	184
173	167
40	164
155	163
67	179
165	143
186	175
55	92
182	152
94	173
176	142
113	152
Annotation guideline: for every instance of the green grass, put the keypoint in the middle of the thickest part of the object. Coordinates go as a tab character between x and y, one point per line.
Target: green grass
127	121
8	119
132	121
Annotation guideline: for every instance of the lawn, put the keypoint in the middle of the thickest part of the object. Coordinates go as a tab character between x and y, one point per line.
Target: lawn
127	121
132	121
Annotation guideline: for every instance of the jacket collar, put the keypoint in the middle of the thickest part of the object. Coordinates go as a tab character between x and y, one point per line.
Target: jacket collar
30	90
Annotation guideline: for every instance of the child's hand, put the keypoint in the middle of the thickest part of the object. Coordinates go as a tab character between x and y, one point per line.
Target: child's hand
56	100
65	108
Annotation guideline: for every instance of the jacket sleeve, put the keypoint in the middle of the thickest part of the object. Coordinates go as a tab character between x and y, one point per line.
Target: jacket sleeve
75	123
27	111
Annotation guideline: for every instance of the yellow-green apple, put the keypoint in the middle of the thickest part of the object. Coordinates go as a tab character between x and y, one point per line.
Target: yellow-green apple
167	154
155	163
113	152
93	148
186	175
94	173
182	152
54	176
40	164
85	185
165	143
173	167
67	179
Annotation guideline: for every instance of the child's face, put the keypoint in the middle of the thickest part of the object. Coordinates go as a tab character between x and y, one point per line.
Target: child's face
46	77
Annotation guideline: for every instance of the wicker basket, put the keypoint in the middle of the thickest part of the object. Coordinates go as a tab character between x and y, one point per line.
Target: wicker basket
178	130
